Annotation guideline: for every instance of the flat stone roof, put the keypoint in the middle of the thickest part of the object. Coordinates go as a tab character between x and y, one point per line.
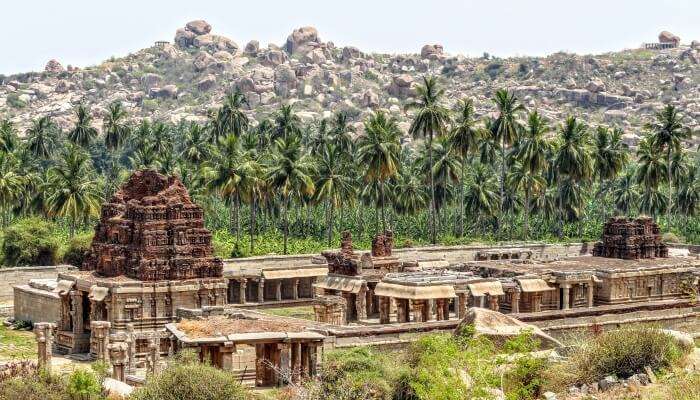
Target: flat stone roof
429	278
587	264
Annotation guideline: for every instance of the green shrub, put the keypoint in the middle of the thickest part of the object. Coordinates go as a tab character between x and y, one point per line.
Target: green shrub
77	249
192	381
83	385
622	353
30	241
40	386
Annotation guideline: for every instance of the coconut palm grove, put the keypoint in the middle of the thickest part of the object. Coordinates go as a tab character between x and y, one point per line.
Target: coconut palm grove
283	186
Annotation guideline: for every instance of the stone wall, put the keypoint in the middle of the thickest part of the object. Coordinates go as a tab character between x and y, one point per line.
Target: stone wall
10	277
36	305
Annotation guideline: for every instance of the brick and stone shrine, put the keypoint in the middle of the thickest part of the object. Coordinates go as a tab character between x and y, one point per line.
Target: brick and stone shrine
150	255
631	239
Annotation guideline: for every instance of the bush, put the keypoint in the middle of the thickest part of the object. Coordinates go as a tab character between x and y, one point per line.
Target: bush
192	381
622	353
358	373
78	249
83	385
40	386
30	241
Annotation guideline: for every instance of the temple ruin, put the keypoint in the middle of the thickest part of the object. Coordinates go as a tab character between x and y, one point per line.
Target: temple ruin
631	239
150	255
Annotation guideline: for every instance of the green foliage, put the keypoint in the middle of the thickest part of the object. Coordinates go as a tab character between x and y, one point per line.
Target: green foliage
14	101
40	386
83	385
192	381
622	352
30	241
77	249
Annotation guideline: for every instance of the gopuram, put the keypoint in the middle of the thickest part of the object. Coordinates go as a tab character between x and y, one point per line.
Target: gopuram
631	239
150	255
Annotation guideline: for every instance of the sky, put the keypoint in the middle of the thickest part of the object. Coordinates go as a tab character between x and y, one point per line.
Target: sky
86	32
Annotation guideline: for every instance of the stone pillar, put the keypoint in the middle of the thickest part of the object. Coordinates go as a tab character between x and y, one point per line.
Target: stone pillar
537	302
296	362
482	301
430	307
65	312
565	295
591	296
283	364
131	342
369	301
361	304
384	309
295	289
259	364
77	311
118	356
226	352
243	284
440	309
462	304
446	309
515	301
261	290
493	303
278	290
305	360
43	332
99	339
417	310
403	310
153	355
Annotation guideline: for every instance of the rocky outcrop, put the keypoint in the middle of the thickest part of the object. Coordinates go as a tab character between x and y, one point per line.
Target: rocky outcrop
197	34
501	327
302	40
53	66
431	51
668	37
401	86
198	27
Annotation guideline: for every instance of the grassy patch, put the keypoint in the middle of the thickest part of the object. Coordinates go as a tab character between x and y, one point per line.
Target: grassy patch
16	344
303	312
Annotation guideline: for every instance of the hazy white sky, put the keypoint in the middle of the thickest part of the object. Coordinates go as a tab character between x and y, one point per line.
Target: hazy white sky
85	32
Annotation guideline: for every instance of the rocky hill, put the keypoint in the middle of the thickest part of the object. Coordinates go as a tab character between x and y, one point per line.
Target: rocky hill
186	78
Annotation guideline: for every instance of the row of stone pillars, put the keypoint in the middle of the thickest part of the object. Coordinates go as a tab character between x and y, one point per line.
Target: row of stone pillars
420	309
566	295
280	363
120	354
243	286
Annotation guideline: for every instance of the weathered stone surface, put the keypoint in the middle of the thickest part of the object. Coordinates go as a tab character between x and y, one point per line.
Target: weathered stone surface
299	40
500	327
252	47
167	91
151	80
668	37
151	230
207	83
350	52
595	86
215	43
198	27
630	239
431	51
53	66
184	38
383	244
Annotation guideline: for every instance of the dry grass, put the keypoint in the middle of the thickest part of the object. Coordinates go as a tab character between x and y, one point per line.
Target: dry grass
221	325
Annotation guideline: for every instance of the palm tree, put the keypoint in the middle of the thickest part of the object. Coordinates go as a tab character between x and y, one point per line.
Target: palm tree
74	192
334	184
196	149
531	183
230	118
431	120
161	139
8	136
341	133
226	178
506	128
464	139
378	150
13	183
625	194
444	170
287	123
290	174
409	191
652	168
688	193
482	193
41	138
668	132
83	132
115	127
610	157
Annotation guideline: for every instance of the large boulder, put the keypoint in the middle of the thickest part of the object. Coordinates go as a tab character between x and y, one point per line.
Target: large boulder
166	92
215	43
53	66
501	327
184	38
431	51
668	37
275	57
595	86
302	40
151	80
202	60
115	389
252	47
207	83
401	86
198	27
